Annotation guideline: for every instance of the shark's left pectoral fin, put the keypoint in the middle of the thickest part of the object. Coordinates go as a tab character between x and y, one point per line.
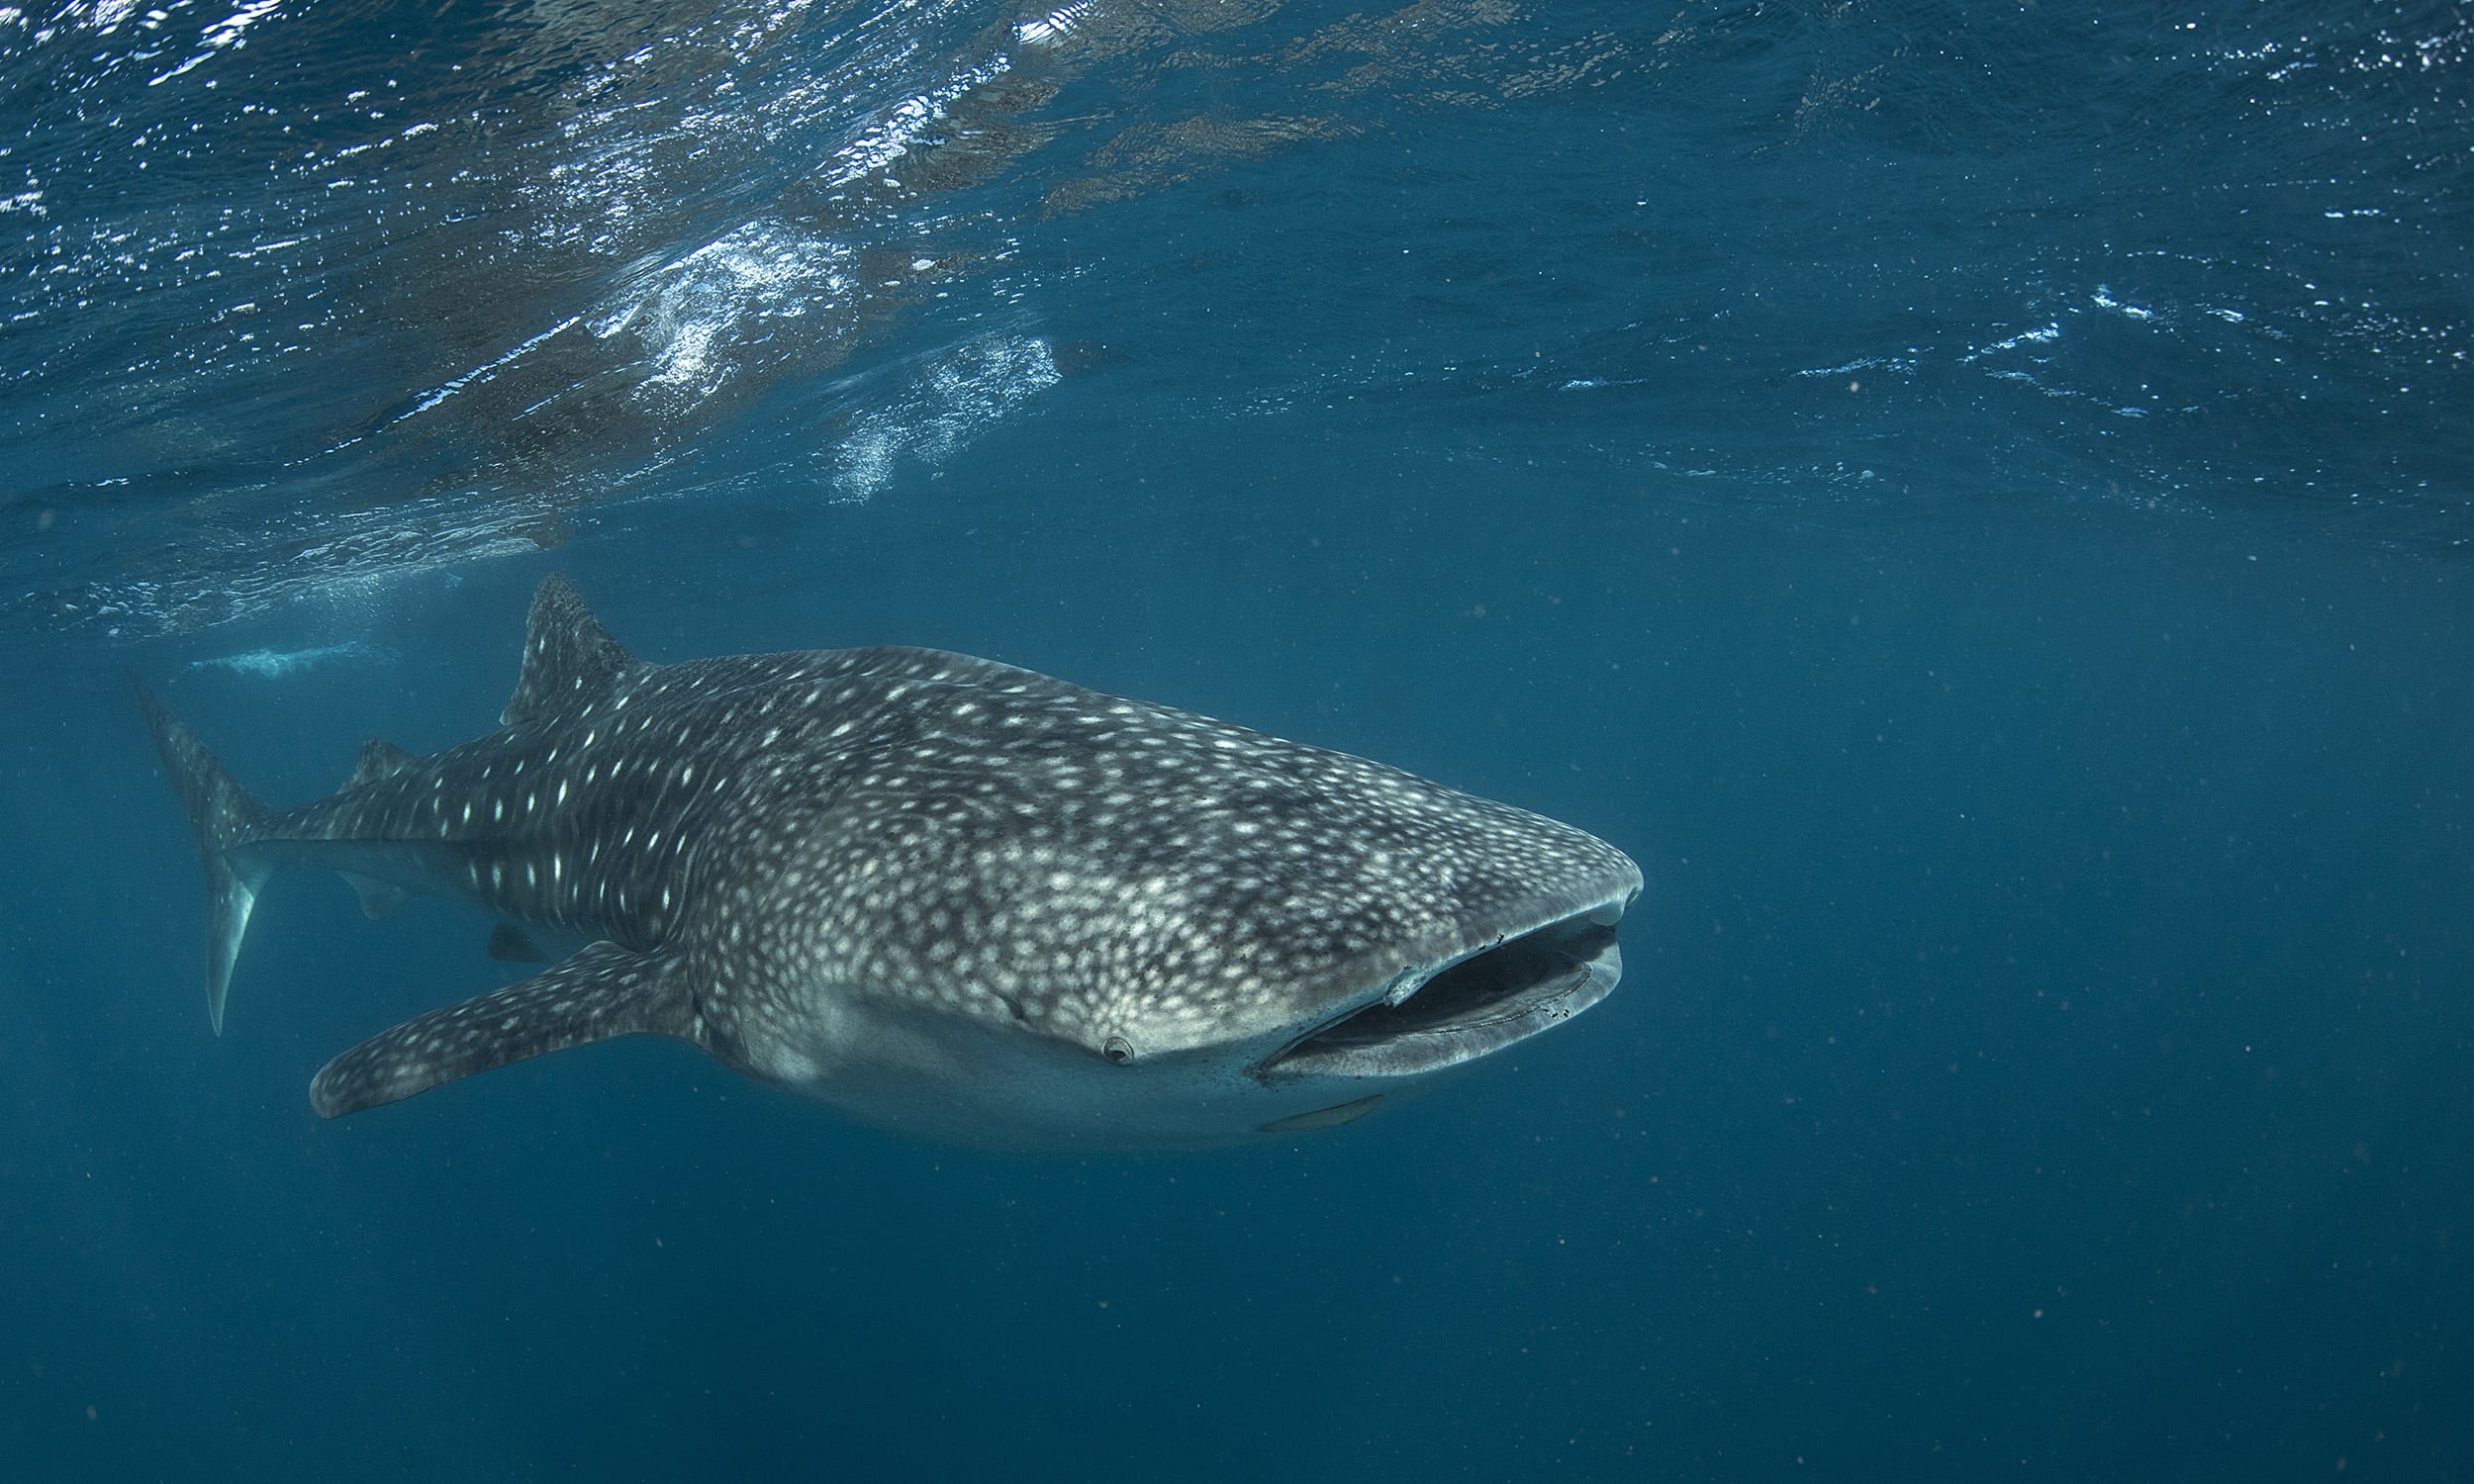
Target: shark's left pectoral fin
603	991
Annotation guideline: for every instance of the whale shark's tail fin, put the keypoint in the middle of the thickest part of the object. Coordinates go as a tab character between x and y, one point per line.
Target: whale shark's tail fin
225	817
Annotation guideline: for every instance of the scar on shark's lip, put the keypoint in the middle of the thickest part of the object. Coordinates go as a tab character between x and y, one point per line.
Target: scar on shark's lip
1480	1002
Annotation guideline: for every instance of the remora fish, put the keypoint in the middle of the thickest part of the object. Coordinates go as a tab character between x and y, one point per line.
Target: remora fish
942	894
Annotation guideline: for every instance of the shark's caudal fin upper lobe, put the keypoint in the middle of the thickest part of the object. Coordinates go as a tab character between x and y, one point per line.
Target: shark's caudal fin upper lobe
225	817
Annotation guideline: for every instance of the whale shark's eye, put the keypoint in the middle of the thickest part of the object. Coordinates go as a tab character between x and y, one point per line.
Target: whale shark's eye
1117	1049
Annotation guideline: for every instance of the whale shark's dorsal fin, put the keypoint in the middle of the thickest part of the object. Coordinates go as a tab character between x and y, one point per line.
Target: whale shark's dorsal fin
599	993
570	660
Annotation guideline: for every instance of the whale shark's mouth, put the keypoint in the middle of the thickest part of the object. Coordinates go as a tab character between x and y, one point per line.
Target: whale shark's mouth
1477	1004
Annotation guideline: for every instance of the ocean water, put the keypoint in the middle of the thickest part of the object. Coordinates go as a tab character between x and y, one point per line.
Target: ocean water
1978	500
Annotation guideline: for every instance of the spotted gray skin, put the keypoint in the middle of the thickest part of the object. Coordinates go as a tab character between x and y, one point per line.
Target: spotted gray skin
945	895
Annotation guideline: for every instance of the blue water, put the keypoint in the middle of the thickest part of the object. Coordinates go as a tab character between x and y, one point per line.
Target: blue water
1978	500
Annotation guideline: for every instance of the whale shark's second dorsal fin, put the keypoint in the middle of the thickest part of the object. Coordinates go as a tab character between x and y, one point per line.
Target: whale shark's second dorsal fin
570	660
379	759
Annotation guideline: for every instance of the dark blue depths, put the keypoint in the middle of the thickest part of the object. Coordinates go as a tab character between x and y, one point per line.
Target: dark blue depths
2041	1047
2044	1048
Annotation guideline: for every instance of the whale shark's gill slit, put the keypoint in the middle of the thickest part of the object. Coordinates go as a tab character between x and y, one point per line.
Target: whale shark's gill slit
1486	1000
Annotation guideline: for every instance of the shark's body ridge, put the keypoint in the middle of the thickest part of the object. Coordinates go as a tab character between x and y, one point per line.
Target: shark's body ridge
944	893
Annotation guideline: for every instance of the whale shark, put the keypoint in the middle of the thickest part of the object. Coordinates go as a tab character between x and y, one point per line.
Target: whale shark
942	894
275	664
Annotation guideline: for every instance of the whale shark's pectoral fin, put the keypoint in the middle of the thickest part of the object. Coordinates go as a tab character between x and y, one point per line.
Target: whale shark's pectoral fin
603	991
